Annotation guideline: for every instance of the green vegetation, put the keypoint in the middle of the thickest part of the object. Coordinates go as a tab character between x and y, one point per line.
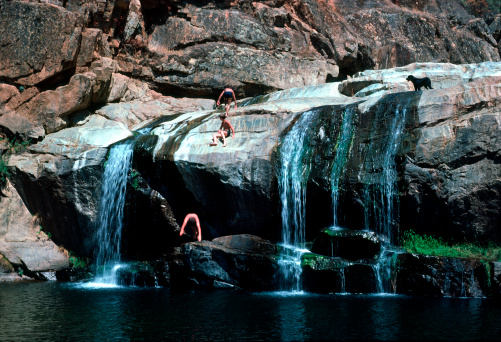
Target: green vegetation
134	178
40	231
4	171
429	245
12	146
78	262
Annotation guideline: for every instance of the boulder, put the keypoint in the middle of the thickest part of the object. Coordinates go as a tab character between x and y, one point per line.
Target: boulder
242	261
422	275
23	243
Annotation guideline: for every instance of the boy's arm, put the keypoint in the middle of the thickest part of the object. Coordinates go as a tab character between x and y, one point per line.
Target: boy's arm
184	225
231	127
219	98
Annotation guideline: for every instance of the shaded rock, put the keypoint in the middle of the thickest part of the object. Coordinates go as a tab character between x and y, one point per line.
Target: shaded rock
26	29
323	274
347	244
360	278
73	274
22	240
64	192
440	276
496	279
136	274
150	226
244	261
495	27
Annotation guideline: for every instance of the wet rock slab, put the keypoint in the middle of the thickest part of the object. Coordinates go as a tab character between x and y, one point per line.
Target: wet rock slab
347	244
323	274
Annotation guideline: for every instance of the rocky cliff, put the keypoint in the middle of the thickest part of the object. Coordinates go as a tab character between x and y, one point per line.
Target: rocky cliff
77	78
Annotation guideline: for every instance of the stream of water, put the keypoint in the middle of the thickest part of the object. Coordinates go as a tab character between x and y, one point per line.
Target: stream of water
109	230
343	145
293	175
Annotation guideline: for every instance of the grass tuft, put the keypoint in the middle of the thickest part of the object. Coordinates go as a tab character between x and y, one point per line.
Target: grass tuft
429	245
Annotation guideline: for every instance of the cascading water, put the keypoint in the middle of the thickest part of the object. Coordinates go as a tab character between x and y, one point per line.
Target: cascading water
293	175
381	195
343	145
109	231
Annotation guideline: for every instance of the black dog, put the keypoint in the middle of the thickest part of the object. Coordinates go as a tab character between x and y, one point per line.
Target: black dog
419	82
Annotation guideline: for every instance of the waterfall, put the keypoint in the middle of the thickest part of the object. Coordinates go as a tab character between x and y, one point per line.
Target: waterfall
380	193
293	175
343	145
110	221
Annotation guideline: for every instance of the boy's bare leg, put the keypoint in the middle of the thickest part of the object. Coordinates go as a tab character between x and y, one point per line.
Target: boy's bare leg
214	141
223	134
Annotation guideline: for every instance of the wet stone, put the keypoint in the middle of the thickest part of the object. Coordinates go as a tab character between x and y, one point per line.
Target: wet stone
323	274
347	244
136	274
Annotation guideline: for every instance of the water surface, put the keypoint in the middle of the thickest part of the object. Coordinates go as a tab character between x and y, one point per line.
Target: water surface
52	311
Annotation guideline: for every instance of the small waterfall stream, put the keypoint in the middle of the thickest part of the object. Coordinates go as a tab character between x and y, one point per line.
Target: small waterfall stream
343	145
381	195
110	222
293	174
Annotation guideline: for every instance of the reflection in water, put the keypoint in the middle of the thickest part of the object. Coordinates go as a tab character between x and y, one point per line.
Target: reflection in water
66	312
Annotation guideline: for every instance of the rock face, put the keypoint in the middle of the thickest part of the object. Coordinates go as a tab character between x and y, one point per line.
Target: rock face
26	30
198	47
23	244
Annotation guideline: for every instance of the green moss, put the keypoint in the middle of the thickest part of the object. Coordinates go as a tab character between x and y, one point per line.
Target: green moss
429	245
134	178
78	262
4	171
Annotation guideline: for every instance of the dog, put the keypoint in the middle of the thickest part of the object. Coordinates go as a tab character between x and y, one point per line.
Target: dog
419	82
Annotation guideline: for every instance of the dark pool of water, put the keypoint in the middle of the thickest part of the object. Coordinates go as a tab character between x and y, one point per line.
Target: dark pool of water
54	311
